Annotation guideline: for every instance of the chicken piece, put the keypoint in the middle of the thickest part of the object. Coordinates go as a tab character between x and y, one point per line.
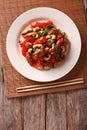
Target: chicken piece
29	58
53	31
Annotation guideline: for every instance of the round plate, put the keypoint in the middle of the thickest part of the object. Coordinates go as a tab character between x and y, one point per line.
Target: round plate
62	21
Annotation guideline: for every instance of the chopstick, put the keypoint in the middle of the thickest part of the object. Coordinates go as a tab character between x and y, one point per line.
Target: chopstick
85	7
50	85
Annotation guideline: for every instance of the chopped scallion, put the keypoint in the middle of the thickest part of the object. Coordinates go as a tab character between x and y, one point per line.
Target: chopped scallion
57	55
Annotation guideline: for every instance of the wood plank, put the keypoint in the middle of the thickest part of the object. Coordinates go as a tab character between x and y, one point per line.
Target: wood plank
34	112
12	115
10	110
1	98
56	111
77	110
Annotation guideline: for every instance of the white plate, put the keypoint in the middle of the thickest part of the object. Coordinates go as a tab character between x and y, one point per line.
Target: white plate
62	21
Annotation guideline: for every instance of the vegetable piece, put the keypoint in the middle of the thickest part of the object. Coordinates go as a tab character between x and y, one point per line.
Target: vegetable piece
59	36
45	31
51	41
23	45
41	40
24	50
60	41
37	41
34	50
41	24
56	51
28	39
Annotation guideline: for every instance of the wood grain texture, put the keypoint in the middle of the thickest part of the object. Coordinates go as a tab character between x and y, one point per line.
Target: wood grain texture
34	113
56	112
77	110
10	110
1	98
12	115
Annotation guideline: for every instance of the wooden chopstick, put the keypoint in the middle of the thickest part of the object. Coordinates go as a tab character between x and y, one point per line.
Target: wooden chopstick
85	7
50	85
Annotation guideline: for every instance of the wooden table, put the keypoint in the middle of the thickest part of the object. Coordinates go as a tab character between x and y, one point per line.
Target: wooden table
54	111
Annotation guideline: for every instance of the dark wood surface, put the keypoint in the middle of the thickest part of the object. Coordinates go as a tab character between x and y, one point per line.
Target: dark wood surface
53	111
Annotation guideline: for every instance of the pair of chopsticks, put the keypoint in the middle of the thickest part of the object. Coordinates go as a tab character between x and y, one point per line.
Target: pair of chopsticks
85	7
50	85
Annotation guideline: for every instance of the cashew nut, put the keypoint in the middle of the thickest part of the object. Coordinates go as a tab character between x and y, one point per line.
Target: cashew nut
63	49
48	36
36	29
47	57
28	44
37	45
27	30
34	34
53	37
46	48
29	50
52	48
39	49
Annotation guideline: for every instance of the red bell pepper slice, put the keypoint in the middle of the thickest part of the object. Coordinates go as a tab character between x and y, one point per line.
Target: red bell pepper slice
37	41
24	49
41	40
41	24
23	44
28	39
60	41
59	36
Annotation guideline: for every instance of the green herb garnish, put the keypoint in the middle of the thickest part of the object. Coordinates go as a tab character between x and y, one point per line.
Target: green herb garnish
56	51
45	31
51	41
34	50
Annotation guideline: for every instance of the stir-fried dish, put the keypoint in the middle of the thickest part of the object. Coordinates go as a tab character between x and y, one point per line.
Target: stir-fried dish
43	45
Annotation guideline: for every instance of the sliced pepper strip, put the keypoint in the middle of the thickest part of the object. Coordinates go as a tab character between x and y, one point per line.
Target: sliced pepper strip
41	24
28	39
60	41
41	40
56	51
45	31
24	50
23	45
